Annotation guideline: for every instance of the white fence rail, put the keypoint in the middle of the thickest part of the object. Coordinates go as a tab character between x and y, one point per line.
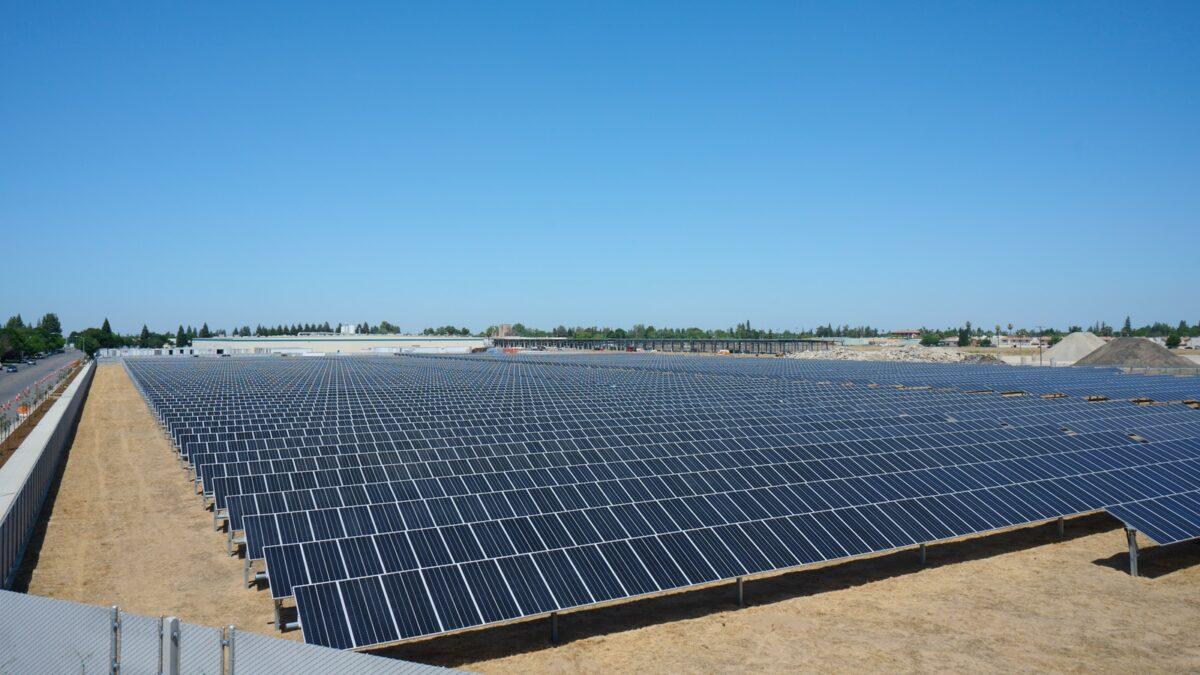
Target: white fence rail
43	635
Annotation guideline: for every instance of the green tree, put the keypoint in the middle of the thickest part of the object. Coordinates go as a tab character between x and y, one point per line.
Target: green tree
87	344
1127	329
1173	340
144	337
105	327
181	337
930	339
204	331
51	324
964	335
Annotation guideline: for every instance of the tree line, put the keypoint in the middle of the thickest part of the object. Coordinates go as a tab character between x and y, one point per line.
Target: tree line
19	340
1173	334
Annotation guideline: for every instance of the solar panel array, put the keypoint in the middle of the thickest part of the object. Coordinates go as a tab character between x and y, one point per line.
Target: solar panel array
395	498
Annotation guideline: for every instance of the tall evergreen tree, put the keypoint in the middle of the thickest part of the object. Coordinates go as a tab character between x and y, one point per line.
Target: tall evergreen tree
104	327
144	337
204	331
51	324
180	337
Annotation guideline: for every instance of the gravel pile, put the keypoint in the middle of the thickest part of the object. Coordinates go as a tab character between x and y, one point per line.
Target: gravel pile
908	353
1074	347
1133	352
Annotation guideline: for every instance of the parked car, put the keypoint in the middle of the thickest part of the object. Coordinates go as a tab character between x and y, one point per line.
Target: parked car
11	368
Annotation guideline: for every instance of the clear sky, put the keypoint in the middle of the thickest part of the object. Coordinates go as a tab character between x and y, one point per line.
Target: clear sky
896	164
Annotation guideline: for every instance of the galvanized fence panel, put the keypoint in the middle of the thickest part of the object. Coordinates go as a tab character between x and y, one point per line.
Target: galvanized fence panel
200	650
140	640
40	635
261	654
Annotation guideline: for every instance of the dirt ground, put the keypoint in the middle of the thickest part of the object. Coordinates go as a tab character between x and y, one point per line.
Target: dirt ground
126	529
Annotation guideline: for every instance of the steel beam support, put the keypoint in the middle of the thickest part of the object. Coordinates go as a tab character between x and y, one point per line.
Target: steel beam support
1131	535
554	627
922	551
741	592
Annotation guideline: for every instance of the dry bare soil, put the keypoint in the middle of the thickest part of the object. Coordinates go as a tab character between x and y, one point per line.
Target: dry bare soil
126	529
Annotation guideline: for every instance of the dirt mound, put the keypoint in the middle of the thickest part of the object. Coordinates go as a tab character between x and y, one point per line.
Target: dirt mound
1074	347
1134	352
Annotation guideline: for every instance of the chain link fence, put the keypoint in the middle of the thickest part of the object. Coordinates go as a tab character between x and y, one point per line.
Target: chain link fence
42	635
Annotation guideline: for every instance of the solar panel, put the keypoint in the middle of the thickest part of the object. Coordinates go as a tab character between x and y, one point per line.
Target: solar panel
400	497
1168	519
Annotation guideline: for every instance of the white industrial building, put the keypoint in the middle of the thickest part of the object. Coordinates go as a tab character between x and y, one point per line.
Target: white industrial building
338	344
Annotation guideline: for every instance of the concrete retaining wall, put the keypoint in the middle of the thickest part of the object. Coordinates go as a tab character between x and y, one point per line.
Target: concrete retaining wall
25	479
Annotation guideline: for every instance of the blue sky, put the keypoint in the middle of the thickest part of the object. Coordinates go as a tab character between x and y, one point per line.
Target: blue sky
897	164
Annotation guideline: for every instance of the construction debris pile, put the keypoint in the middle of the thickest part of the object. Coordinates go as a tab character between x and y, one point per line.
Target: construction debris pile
908	353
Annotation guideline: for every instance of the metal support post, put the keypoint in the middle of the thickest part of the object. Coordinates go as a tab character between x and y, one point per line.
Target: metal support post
741	592
1131	535
278	619
246	572
922	554
114	649
1061	527
227	642
554	627
170	646
159	669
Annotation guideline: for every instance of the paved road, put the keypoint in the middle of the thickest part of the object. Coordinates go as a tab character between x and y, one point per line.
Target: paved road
11	384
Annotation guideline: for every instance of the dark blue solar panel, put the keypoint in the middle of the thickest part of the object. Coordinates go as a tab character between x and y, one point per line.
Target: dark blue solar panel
400	497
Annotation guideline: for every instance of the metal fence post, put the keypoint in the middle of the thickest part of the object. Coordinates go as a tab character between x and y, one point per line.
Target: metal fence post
229	649
170	646
114	650
160	646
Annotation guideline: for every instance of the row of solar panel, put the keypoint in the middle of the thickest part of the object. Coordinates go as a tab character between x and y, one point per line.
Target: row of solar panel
1081	381
630	465
374	590
703	507
210	467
